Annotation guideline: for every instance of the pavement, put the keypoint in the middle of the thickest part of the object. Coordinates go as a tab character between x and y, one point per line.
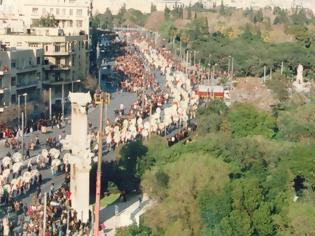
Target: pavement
117	98
129	213
126	98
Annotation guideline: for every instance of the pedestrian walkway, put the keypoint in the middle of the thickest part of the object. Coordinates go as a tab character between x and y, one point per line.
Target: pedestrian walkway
129	213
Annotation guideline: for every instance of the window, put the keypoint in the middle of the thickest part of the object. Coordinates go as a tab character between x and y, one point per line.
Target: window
58	61
57	11
13	98
44	11
57	76
63	12
71	23
38	60
71	12
13	64
35	11
79	23
13	81
57	47
79	12
46	48
33	45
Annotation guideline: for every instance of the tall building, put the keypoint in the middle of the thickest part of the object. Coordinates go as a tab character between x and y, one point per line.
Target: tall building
21	73
73	16
65	47
66	58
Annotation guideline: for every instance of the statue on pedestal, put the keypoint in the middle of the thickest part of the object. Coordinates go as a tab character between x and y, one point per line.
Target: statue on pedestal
299	85
299	76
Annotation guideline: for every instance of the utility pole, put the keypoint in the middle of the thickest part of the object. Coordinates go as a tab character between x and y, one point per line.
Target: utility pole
265	73
232	69
22	134
229	66
19	119
25	108
50	105
100	99
180	49
45	213
63	100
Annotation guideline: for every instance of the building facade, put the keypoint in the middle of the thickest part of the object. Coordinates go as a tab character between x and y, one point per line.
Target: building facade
21	73
73	16
65	59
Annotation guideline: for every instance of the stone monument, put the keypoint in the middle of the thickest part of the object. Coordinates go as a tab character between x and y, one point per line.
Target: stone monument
80	159
299	76
299	85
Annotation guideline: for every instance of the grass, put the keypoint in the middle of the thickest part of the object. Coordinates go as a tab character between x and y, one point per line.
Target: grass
108	200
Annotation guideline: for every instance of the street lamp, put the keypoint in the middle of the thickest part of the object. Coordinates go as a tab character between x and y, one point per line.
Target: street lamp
19	103
99	75
72	83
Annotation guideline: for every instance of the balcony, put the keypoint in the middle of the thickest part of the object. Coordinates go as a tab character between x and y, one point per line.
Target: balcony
56	82
60	53
26	69
57	67
27	85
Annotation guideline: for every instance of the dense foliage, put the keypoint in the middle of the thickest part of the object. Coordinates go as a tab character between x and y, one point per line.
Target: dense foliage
239	176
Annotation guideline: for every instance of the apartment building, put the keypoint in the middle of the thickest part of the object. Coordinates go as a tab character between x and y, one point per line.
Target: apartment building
21	72
65	57
73	16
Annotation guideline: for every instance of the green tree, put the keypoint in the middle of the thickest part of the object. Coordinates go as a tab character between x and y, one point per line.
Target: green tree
134	230
48	21
153	8
237	224
189	13
262	220
130	155
297	124
121	14
167	12
246	120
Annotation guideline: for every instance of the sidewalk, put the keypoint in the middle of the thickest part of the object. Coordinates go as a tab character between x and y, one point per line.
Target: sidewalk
129	213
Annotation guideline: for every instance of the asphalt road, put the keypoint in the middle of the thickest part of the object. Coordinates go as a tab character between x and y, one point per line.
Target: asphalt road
117	98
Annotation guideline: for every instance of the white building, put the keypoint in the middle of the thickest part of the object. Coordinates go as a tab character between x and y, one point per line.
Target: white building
73	16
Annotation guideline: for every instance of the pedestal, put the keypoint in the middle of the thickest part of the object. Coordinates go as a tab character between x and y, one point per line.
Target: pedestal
80	160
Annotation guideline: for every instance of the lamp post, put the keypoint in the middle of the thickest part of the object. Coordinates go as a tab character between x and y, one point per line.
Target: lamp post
72	83
63	100
19	108
25	106
50	105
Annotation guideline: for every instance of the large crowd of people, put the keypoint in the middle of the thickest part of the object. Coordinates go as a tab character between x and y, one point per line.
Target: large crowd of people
161	106
164	106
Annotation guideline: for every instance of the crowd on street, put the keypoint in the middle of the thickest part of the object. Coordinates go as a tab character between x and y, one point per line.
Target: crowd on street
165	105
